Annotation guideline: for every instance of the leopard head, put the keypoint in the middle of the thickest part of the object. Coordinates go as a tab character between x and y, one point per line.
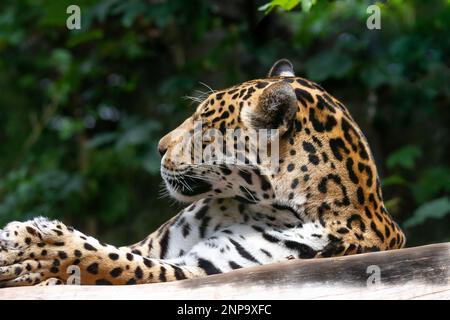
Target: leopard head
248	117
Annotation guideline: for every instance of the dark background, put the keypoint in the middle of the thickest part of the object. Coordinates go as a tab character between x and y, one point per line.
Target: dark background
81	112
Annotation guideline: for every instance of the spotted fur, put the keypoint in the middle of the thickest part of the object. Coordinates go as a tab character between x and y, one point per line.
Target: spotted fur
324	200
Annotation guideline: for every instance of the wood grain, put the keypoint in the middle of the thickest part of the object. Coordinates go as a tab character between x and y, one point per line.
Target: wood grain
412	273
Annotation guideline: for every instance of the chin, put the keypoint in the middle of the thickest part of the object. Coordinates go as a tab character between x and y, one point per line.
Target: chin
185	199
187	189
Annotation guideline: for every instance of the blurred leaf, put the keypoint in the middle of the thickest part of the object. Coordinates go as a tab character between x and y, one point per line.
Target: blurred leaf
61	59
266	7
306	5
102	139
67	127
404	157
130	10
152	161
431	183
137	133
38	194
393	205
394	180
85	36
434	209
103	8
54	13
286	5
328	64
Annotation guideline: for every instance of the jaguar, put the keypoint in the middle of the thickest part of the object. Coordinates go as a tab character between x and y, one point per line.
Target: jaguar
323	199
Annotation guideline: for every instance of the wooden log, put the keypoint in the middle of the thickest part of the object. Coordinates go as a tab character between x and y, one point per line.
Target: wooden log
412	273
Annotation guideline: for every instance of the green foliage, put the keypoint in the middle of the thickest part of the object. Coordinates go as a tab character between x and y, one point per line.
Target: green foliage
43	192
82	111
287	5
431	183
436	209
404	157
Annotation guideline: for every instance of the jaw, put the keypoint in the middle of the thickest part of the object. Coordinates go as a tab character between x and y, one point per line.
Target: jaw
187	189
189	185
184	199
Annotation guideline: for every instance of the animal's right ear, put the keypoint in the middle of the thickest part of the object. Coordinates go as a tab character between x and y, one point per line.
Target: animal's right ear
282	68
276	107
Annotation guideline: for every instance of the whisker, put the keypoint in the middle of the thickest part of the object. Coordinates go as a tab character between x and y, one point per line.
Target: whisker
245	188
193	99
208	87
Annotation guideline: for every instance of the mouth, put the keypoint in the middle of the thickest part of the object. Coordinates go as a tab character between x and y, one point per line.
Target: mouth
187	186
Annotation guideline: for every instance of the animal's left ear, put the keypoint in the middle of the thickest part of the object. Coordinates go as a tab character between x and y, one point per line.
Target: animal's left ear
276	107
282	68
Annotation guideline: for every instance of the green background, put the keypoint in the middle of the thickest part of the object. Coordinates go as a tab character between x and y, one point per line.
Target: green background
81	111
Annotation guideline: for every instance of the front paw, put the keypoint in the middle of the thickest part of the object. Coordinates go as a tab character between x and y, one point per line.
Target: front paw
32	252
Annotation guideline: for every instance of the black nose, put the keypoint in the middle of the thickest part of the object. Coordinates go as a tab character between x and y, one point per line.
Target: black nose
162	150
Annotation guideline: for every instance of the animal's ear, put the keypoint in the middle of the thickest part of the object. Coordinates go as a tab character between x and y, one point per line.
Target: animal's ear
282	68
276	107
